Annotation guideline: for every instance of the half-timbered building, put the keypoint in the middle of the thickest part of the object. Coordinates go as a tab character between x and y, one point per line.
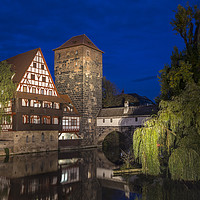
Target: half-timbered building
39	115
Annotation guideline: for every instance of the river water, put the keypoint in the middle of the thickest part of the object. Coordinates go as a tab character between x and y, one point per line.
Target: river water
81	175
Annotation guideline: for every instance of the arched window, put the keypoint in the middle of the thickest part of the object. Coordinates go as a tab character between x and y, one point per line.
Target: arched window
33	138
27	139
51	138
42	139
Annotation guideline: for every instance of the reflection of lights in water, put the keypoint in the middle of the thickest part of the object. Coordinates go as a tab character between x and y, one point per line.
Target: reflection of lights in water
64	177
67	161
70	175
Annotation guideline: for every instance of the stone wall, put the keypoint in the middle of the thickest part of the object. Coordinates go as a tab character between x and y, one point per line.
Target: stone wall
78	73
35	141
127	131
28	141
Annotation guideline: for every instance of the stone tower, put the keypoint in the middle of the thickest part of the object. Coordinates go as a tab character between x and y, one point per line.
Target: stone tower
78	73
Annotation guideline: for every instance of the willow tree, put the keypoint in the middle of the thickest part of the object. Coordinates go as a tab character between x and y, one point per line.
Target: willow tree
7	89
170	141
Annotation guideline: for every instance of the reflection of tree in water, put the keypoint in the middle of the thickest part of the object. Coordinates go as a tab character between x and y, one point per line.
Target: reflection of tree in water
164	189
112	145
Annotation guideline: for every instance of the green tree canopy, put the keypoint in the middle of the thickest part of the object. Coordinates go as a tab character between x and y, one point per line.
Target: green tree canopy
7	87
170	140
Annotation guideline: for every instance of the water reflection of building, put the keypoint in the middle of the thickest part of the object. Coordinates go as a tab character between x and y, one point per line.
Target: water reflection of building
73	175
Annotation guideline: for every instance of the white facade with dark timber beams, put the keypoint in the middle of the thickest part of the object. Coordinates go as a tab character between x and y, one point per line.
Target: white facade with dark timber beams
37	78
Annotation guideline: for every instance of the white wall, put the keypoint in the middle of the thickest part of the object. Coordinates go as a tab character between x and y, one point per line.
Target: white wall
121	121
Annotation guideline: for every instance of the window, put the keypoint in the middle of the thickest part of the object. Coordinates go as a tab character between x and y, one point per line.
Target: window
35	119
136	119
56	105
51	138
35	103
42	66
65	109
43	79
47	104
24	88
42	91
103	120
27	139
74	122
33	76
50	92
33	138
88	53
25	102
42	137
111	120
34	65
76	52
25	119
33	90
55	120
46	120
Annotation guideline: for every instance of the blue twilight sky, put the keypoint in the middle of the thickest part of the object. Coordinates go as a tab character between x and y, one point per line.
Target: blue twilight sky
135	35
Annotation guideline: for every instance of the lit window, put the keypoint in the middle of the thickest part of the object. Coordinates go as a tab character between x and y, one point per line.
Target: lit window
25	102
24	88
46	120
47	104
56	105
35	103
35	119
55	120
34	90
25	119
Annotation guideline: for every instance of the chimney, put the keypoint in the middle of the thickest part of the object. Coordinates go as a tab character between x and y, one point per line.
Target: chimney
126	107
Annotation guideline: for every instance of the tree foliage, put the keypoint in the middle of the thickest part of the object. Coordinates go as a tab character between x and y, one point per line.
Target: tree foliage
171	139
7	87
112	98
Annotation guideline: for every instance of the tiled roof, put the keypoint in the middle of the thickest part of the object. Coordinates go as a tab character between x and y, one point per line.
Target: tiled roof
78	40
21	62
132	111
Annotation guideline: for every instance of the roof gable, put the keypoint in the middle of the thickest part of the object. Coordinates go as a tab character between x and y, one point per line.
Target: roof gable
21	62
32	73
78	40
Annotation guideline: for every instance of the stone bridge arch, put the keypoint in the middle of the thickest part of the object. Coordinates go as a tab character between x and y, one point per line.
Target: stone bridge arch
102	132
126	131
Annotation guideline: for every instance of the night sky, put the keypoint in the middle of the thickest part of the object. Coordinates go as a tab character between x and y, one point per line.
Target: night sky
135	35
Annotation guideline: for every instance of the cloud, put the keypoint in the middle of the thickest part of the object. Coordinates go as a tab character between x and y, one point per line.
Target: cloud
145	79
